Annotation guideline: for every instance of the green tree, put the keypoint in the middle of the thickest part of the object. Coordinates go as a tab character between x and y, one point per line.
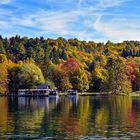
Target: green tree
99	77
2	49
117	81
3	58
13	70
31	53
39	58
65	83
48	70
30	75
79	80
21	52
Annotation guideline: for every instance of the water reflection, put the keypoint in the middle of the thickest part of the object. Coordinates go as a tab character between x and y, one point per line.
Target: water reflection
72	118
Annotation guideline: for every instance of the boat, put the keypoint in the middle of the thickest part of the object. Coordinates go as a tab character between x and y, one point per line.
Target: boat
41	91
33	92
72	92
53	93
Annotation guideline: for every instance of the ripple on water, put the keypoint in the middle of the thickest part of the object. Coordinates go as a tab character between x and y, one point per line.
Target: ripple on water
96	137
45	138
125	138
18	136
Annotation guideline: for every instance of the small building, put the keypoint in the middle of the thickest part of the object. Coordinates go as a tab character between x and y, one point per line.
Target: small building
41	90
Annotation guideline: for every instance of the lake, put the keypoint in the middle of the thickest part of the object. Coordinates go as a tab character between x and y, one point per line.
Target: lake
100	117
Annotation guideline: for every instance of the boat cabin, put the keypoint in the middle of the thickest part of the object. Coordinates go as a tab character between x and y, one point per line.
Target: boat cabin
53	92
41	90
71	92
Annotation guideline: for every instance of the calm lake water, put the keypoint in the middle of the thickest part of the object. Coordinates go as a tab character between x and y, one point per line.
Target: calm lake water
70	118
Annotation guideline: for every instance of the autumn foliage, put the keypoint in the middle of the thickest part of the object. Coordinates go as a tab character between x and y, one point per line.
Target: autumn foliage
71	63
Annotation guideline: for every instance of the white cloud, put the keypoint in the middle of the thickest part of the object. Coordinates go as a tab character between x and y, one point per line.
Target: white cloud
80	22
55	22
44	21
100	5
3	24
79	3
111	3
5	1
118	29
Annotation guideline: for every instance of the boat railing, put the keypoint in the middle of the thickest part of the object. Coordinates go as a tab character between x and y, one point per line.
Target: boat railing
33	91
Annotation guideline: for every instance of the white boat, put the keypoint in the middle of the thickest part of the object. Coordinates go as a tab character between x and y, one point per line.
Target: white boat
72	92
53	93
40	91
33	92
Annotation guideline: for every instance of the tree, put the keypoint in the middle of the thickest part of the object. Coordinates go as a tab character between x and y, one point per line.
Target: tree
59	59
31	53
137	82
39	54
99	77
61	79
3	78
117	81
65	84
13	70
136	73
48	70
70	65
20	52
131	69
3	58
30	75
2	49
79	80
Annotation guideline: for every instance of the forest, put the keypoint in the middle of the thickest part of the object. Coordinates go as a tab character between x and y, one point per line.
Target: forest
69	63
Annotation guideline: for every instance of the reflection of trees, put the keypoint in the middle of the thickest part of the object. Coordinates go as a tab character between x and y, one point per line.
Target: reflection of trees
68	117
99	115
120	107
135	112
57	118
120	114
6	118
101	118
36	108
28	113
111	113
84	114
3	114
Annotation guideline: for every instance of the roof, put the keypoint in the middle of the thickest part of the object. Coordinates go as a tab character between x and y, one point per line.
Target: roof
43	86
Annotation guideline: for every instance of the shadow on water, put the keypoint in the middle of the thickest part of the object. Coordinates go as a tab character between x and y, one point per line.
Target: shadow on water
71	118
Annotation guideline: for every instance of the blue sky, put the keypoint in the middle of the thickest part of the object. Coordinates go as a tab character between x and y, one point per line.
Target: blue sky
98	20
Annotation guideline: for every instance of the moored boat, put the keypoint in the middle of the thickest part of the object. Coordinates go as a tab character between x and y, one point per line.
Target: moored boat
41	91
33	92
72	92
53	93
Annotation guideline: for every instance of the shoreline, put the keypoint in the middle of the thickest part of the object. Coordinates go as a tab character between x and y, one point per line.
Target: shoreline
133	94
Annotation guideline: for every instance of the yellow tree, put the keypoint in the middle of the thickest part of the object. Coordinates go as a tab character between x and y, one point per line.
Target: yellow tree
117	81
3	78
